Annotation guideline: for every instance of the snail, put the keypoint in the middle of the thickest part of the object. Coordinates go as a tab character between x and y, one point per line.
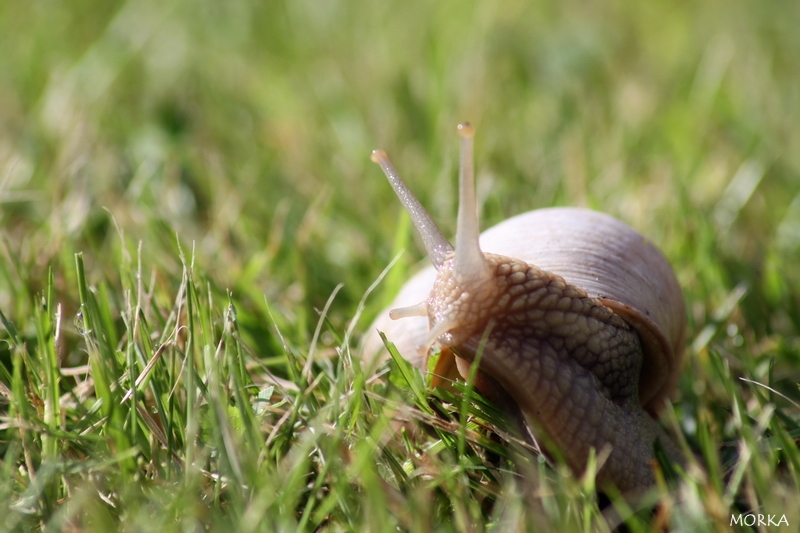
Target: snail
578	320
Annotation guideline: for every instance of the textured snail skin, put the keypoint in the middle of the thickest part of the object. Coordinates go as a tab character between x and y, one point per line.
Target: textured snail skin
570	362
587	343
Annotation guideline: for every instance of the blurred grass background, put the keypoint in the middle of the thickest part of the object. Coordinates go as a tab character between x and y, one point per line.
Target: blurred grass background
242	130
246	127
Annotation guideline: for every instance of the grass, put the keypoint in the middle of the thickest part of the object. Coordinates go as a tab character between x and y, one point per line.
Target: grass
189	225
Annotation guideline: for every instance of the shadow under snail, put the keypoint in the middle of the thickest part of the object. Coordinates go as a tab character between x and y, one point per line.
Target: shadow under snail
581	320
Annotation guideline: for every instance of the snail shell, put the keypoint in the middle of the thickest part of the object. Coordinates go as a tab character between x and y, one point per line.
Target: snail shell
593	251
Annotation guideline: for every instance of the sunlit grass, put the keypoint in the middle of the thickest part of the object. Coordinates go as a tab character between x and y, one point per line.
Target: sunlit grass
189	224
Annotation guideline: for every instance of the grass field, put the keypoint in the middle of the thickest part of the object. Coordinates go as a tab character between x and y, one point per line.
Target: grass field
190	222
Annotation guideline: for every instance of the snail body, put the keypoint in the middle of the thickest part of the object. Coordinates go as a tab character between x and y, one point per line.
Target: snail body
581	317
